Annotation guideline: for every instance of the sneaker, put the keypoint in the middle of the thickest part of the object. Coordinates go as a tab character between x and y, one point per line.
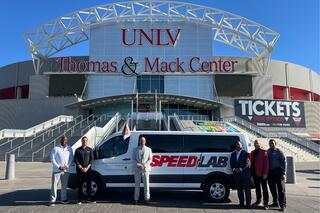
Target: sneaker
51	204
79	202
274	205
265	206
91	201
257	203
283	209
64	201
147	202
241	206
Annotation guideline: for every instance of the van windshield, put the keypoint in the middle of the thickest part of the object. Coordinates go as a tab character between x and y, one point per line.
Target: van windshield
114	147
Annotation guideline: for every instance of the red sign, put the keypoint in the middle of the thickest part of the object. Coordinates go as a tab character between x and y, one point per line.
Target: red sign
194	65
189	161
155	65
155	37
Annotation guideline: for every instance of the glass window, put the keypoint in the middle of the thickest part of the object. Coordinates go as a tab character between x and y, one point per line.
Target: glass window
150	84
114	147
209	143
164	143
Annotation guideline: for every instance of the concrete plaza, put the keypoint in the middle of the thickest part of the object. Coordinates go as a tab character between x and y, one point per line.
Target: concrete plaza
29	192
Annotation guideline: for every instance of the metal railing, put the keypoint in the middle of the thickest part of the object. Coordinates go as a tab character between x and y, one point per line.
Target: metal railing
175	120
194	117
31	142
102	118
165	121
309	145
47	132
181	124
14	133
115	119
71	130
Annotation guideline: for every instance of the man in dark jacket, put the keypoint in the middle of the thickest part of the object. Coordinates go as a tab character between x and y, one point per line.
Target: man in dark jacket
276	177
83	158
259	171
240	165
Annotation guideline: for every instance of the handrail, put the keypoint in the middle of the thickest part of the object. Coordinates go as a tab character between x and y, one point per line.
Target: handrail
193	117
181	125
42	134
309	145
114	120
104	116
109	130
294	153
31	141
8	133
43	149
165	121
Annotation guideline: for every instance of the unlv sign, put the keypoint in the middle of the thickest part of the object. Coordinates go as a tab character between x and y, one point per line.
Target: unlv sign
271	113
154	37
147	64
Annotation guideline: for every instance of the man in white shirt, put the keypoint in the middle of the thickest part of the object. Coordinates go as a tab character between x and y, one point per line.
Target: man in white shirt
61	158
142	157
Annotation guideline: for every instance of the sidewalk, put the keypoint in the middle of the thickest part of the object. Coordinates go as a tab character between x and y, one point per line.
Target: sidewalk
29	192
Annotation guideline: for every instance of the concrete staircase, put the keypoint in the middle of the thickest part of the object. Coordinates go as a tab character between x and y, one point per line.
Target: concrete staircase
299	154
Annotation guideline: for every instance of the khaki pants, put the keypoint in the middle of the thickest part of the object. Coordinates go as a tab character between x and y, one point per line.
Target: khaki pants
137	179
56	177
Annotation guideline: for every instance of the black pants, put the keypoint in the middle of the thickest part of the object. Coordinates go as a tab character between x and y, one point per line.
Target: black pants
277	187
81	178
258	183
242	182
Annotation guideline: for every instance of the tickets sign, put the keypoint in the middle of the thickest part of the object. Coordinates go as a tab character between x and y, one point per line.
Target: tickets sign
271	113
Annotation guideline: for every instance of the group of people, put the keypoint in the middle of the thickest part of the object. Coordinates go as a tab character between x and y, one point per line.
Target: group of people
62	158
260	168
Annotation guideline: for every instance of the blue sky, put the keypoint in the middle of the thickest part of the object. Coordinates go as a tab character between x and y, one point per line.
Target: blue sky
297	21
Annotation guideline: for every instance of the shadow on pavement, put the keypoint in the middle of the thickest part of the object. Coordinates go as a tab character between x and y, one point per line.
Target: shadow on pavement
314	179
159	198
29	197
309	171
314	187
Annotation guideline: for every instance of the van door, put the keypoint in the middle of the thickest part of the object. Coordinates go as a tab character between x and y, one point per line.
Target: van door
166	169
213	153
114	162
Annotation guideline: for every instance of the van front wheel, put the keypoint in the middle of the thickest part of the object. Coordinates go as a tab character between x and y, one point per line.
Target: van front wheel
217	190
96	187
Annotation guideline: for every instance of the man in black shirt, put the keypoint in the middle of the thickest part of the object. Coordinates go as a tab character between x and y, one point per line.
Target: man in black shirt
277	175
83	158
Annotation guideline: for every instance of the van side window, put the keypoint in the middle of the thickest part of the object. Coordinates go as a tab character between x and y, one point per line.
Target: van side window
164	143
114	147
209	143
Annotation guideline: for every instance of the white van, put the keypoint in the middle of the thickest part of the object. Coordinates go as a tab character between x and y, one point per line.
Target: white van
182	160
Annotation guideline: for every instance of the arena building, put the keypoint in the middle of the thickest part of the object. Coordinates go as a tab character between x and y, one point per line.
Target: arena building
151	59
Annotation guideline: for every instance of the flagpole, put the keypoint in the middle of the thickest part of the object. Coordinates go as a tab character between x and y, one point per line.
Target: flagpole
156	107
132	112
137	112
